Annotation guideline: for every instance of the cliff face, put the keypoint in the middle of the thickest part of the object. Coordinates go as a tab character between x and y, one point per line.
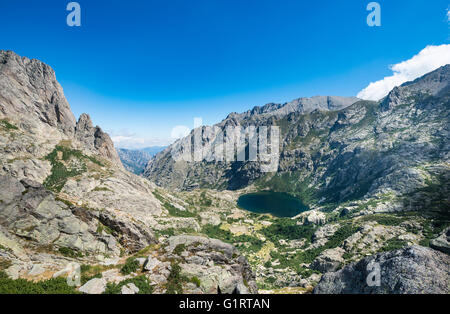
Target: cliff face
29	90
30	93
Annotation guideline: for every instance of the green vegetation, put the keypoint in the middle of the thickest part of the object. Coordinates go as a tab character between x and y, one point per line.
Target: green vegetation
101	189
291	183
175	280
131	266
180	248
294	261
141	282
173	211
69	252
101	227
243	242
4	264
204	200
393	244
22	286
6	125
60	171
287	229
196	281
386	220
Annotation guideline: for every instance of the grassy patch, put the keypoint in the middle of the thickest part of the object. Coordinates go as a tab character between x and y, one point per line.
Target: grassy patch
287	229
393	244
7	126
173	211
195	281
180	248
60	172
69	252
22	286
131	266
141	282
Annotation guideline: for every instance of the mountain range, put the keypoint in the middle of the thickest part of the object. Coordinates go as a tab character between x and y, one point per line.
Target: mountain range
374	175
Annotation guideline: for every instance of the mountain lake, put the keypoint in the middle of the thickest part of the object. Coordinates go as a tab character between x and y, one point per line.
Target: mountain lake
275	203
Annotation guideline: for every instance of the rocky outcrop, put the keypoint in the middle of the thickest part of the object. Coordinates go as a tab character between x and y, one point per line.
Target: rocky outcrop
442	243
133	236
94	286
329	260
218	265
28	89
412	270
31	212
95	140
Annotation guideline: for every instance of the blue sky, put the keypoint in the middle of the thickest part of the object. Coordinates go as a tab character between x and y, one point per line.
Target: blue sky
139	68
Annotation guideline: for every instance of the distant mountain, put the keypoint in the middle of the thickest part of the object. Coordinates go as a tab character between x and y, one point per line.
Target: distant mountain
153	150
135	160
332	150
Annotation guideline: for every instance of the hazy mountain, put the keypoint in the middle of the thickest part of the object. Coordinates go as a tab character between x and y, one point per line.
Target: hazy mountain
135	160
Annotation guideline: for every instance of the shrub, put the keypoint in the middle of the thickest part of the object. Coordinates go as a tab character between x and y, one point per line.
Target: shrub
179	249
22	286
141	282
131	266
175	280
196	281
68	252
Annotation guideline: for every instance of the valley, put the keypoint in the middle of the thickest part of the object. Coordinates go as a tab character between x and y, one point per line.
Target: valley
363	181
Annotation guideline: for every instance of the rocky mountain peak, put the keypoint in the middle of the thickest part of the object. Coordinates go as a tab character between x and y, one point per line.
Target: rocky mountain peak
29	89
95	139
434	84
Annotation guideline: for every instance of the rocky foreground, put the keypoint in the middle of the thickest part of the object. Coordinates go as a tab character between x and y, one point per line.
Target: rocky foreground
413	270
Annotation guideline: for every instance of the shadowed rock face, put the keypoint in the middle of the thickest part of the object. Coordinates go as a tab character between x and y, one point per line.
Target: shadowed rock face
412	270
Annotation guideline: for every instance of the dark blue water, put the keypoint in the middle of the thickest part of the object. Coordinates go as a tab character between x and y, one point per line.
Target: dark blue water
277	204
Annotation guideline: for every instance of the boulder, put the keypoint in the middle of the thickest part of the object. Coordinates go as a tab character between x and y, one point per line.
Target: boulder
94	286
329	260
412	270
130	289
442	243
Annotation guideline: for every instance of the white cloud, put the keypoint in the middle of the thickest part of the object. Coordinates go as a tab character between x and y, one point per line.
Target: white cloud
429	59
134	142
448	15
180	131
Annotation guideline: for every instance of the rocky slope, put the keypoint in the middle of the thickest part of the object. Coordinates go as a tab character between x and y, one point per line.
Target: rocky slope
413	270
65	200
